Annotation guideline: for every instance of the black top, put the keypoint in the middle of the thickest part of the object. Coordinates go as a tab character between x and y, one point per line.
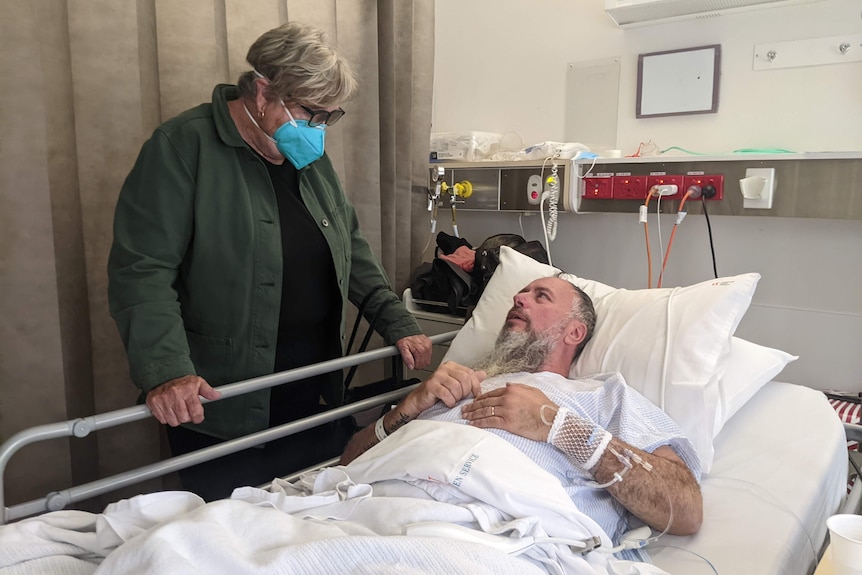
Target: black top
309	295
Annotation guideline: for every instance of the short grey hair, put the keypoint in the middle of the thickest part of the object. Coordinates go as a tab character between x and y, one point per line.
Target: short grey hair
582	310
301	67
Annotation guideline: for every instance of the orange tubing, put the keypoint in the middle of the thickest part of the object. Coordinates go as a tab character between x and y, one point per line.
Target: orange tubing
670	241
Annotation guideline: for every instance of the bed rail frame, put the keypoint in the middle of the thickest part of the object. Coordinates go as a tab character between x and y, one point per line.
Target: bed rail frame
853	502
82	427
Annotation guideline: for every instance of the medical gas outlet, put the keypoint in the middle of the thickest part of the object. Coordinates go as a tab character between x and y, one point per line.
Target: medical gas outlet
504	186
459	189
534	189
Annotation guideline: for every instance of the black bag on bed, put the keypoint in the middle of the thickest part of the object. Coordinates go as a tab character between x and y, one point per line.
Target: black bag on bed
448	285
488	256
441	286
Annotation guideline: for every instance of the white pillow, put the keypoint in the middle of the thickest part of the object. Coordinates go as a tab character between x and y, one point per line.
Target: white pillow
670	344
749	368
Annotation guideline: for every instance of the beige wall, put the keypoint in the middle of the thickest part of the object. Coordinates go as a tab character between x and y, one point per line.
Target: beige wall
500	66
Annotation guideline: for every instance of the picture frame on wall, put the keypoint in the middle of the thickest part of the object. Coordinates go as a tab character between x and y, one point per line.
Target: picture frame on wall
678	82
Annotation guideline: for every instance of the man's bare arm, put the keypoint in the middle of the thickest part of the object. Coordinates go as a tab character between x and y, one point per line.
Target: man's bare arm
646	494
669	487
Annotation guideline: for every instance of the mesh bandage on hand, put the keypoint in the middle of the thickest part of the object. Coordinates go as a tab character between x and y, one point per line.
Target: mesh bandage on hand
580	439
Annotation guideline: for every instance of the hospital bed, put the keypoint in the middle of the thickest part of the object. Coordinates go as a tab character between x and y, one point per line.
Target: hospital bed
779	470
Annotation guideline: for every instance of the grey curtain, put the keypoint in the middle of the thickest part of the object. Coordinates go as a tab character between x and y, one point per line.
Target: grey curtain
86	82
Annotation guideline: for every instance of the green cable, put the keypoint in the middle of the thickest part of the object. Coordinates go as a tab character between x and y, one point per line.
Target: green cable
740	151
763	151
683	150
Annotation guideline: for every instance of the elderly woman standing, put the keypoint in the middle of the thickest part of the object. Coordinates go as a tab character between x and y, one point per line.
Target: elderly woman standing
235	251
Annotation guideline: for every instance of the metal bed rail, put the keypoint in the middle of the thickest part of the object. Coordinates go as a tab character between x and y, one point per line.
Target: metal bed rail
853	503
82	427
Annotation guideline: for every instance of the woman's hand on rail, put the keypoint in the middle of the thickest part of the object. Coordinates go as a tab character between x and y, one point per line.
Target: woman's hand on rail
415	350
178	400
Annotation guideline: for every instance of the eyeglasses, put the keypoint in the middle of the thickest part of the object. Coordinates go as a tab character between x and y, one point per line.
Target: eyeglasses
319	117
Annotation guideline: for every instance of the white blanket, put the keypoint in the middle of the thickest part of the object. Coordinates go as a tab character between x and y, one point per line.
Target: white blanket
345	519
75	542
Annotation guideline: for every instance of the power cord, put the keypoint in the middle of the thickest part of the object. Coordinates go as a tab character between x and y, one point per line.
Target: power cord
698	555
766	495
709	232
642	218
691	192
661	256
552	194
587	173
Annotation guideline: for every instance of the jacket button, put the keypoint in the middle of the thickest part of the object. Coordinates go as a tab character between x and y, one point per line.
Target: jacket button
324	222
341	281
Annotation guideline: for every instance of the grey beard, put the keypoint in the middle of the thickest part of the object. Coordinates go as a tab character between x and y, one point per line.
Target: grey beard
517	351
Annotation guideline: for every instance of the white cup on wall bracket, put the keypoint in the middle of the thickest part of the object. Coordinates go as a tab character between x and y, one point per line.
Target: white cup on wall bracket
752	187
757	188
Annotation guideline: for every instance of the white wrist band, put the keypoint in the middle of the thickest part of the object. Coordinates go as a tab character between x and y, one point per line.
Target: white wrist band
600	449
379	430
559	418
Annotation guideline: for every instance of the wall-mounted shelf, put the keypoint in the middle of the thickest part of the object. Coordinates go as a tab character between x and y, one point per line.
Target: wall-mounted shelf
811	184
808	184
727	158
502	186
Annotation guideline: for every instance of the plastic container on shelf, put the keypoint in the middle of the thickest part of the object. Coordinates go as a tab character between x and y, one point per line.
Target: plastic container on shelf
463	146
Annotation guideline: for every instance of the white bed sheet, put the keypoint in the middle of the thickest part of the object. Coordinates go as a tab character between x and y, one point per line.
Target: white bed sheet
780	470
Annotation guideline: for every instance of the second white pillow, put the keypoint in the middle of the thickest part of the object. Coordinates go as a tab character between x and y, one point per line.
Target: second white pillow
670	344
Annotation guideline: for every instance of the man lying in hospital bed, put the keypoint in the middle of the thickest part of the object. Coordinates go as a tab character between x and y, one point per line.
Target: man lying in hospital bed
604	446
610	448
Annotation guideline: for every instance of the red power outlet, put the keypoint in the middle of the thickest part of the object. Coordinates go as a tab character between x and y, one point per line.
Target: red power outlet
630	187
667	180
706	180
599	188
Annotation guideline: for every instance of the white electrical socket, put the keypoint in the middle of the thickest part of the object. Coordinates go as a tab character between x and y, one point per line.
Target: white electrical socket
757	188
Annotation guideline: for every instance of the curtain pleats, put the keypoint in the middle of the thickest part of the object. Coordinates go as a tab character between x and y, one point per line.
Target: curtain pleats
86	82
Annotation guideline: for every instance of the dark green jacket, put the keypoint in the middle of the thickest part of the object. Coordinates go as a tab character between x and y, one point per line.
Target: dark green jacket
195	269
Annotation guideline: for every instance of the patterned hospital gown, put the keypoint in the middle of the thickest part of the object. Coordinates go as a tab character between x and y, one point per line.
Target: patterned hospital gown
605	400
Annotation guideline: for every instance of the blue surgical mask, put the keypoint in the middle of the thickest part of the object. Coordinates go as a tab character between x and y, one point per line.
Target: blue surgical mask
300	143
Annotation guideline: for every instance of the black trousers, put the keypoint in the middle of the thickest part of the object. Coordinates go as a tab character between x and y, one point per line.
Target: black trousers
216	479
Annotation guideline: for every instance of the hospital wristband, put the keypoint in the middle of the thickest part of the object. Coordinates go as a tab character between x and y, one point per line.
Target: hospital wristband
379	430
604	441
559	418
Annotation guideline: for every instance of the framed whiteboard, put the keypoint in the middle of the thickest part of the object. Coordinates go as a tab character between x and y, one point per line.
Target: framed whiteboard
678	82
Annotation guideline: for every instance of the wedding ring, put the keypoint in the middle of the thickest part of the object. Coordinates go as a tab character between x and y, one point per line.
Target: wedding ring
492	411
